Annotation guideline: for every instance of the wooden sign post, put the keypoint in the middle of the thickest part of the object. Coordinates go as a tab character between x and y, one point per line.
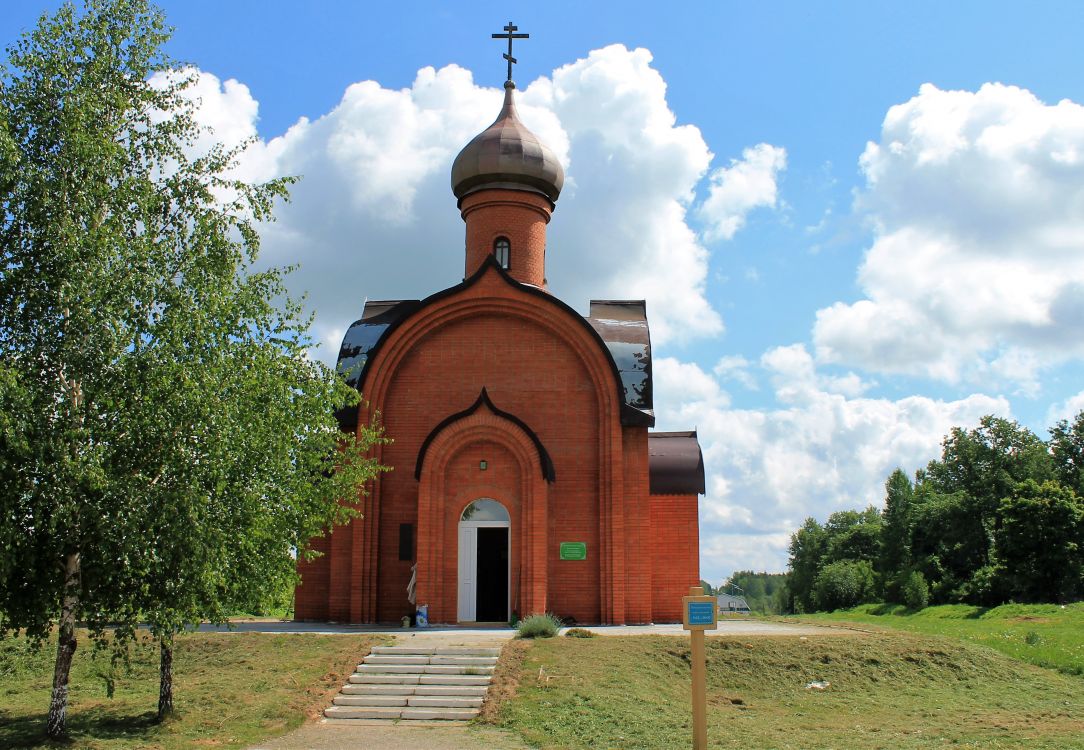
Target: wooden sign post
699	613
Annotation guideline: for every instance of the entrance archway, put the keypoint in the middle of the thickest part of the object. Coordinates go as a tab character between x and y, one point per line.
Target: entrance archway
484	562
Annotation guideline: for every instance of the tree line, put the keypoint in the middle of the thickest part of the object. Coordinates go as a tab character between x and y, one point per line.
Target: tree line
167	445
765	593
998	518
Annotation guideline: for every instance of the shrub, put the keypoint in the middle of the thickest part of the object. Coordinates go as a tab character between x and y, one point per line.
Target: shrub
539	626
843	584
579	633
914	591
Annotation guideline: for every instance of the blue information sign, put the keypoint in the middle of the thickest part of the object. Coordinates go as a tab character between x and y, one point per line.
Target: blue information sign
701	613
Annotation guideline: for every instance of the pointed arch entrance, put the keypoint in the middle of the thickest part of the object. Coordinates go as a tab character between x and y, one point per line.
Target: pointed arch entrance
473	458
485	562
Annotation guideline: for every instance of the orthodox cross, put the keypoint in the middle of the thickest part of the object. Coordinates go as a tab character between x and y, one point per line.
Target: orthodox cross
510	36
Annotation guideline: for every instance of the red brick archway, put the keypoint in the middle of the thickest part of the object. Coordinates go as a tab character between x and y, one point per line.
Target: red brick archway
450	478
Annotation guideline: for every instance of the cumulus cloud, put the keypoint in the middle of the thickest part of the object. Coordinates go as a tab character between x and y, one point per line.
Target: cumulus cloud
737	368
976	269
373	215
825	448
734	191
1067	409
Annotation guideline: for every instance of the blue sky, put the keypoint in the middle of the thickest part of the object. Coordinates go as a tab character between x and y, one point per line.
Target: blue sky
856	224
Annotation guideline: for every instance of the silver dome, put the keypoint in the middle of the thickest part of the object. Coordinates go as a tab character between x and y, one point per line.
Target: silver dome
507	155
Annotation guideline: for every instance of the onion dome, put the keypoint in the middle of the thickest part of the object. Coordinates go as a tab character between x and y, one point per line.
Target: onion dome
508	156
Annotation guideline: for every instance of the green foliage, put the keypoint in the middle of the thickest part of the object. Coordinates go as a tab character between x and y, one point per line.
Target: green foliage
978	468
167	443
988	461
854	535
949	541
807	550
894	552
996	518
847	536
580	633
914	591
1040	543
843	584
543	625
1067	449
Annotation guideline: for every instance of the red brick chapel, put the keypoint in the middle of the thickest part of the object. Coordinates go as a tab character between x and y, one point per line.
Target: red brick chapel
525	477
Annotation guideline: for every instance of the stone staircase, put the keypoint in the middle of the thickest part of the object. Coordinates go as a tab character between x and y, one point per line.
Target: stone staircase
405	682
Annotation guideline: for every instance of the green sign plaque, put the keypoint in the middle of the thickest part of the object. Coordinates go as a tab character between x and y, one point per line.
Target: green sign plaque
573	550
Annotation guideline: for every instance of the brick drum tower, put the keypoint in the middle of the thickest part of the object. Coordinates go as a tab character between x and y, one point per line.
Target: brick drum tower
525	478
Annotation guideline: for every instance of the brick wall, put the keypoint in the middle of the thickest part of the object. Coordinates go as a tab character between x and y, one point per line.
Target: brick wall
675	553
527	372
519	216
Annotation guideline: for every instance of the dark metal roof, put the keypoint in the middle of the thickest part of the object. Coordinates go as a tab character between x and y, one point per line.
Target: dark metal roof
544	459
675	463
365	337
622	324
360	339
507	155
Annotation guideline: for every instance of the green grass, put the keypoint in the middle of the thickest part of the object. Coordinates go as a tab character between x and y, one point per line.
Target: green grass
230	690
888	690
1047	635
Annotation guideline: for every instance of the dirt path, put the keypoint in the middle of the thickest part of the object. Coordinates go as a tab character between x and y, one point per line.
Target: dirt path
387	735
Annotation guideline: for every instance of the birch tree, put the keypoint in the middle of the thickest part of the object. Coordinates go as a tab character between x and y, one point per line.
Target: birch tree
166	444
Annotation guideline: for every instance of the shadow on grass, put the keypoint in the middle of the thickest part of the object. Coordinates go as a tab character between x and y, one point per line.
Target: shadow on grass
28	731
887	609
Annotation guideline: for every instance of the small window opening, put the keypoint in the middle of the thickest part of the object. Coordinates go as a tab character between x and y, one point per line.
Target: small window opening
502	249
406	541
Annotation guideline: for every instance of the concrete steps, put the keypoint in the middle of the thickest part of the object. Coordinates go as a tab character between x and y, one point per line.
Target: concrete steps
404	682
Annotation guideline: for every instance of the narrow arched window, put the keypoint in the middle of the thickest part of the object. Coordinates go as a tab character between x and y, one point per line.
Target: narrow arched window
502	249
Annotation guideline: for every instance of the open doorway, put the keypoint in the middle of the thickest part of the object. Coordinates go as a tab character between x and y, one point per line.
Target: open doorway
484	562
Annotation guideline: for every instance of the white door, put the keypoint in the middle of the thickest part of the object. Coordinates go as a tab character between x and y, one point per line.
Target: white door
479	514
468	567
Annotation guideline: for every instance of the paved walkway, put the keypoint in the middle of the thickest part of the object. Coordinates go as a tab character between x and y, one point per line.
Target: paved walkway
329	734
455	636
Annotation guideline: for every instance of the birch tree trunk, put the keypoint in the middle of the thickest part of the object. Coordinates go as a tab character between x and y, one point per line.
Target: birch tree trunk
165	682
65	649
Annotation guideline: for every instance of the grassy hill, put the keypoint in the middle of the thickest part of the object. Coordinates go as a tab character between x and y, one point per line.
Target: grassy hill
935	686
1047	635
887	690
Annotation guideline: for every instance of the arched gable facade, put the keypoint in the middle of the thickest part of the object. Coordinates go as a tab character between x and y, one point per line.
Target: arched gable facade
540	362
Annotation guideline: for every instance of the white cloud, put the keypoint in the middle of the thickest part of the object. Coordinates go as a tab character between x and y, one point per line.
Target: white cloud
1067	409
622	231
734	191
736	367
976	271
825	449
374	216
